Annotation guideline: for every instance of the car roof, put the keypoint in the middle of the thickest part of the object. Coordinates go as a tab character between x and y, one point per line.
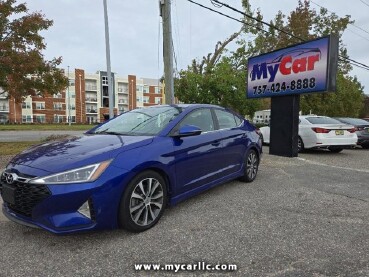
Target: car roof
189	106
312	115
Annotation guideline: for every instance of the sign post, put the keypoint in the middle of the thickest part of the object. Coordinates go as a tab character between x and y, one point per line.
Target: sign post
284	75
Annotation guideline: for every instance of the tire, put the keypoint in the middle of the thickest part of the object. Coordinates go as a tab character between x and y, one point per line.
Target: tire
365	146
143	202
262	139
251	166
335	149
300	145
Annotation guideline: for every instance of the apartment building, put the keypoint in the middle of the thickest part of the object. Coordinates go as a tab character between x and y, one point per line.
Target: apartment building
86	100
261	117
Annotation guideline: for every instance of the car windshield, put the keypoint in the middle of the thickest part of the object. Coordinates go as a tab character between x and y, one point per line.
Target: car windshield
140	122
322	120
354	121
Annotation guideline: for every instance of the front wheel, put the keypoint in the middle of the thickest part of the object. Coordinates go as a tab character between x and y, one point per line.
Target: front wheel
251	166
143	202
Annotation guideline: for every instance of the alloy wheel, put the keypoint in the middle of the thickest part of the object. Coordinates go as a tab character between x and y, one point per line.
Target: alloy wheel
252	165
146	201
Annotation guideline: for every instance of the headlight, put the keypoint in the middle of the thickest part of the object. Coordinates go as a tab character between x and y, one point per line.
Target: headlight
79	175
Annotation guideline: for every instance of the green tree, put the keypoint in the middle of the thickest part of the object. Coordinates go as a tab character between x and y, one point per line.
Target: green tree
216	80
23	69
224	86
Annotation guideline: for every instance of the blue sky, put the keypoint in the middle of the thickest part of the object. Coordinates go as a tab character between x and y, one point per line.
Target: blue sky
135	32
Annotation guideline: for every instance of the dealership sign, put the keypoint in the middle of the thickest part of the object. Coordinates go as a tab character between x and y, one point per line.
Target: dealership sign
303	68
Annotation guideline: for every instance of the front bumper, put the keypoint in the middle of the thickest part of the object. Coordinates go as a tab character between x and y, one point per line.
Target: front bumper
59	213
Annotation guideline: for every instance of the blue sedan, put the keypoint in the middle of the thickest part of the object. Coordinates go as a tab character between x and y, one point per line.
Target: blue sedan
123	173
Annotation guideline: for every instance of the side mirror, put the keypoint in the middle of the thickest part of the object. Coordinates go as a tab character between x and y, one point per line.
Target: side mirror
188	131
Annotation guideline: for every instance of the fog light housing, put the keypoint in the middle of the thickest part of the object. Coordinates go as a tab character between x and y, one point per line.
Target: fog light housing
85	209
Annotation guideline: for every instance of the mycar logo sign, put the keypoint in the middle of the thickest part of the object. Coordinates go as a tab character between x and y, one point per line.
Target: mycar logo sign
303	68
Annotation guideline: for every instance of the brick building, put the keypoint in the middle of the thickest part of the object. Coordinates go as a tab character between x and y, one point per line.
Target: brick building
86	100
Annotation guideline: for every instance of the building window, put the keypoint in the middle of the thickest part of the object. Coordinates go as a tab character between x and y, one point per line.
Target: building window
73	119
146	99
146	89
4	107
157	100
26	105
40	106
73	95
105	80
72	82
27	118
58	118
4	118
72	107
92	109
157	90
57	95
58	106
40	118
91	119
139	88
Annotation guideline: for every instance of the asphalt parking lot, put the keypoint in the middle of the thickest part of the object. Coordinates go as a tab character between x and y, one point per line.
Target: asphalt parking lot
305	216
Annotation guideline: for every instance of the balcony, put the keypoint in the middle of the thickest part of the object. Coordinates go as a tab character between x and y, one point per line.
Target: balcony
91	111
90	88
122	91
4	108
91	99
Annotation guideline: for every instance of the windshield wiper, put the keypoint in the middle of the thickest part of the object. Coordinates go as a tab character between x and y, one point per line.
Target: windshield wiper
108	133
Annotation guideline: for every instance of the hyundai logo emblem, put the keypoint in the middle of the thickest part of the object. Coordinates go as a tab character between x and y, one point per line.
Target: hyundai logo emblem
10	178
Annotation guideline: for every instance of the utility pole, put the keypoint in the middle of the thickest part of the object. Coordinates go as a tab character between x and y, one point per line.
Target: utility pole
165	13
107	43
68	98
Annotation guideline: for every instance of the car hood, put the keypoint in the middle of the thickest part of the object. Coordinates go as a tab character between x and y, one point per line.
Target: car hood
58	156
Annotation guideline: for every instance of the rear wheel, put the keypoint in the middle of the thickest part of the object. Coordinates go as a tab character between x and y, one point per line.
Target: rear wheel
365	146
335	149
143	202
300	145
251	166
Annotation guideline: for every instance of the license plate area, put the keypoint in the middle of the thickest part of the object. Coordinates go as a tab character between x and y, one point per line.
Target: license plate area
339	132
8	194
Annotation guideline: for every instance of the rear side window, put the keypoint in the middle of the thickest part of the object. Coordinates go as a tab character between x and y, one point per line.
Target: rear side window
226	119
238	120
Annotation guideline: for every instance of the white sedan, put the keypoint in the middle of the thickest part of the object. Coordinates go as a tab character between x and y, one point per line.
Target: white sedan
320	132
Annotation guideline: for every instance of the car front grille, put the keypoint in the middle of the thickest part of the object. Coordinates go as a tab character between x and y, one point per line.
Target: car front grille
27	196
